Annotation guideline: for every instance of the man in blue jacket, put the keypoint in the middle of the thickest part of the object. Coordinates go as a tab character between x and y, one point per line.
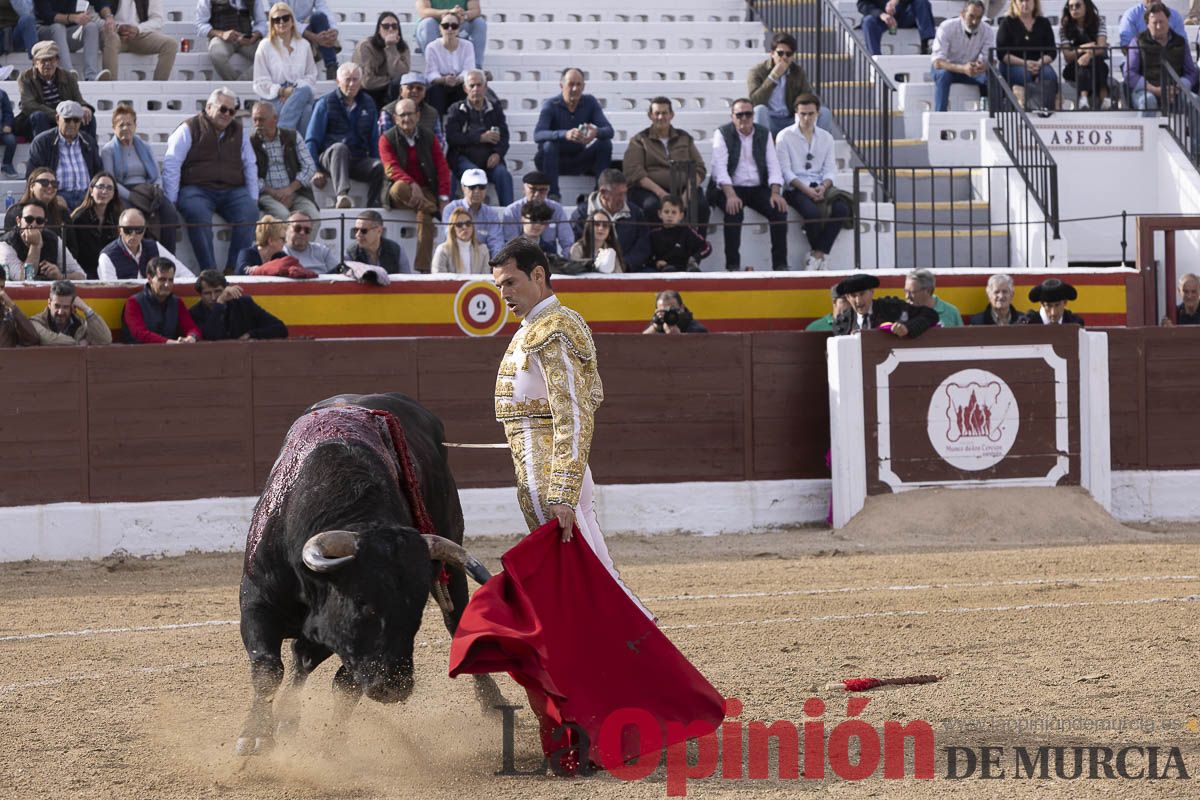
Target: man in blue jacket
572	133
343	137
68	151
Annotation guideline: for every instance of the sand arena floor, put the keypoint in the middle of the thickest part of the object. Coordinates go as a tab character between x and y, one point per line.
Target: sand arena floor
127	678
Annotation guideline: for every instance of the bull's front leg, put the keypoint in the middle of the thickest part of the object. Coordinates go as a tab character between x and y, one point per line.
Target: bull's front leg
263	643
307	656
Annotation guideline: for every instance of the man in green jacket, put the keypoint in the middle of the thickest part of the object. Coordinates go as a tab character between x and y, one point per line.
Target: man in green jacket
825	323
774	85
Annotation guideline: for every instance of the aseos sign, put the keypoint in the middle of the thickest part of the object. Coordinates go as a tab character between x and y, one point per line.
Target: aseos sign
1094	138
973	419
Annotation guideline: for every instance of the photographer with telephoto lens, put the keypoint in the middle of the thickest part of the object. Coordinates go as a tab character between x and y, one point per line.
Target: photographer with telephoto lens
672	316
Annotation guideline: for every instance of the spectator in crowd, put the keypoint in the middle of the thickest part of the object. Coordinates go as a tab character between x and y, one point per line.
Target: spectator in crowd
535	217
650	162
42	87
536	186
446	62
867	312
128	256
72	155
316	256
1026	48
285	74
384	58
745	172
1133	22
412	87
1155	46
672	316
232	28
599	247
461	253
314	21
94	222
40	187
73	31
478	136
573	135
269	241
919	291
825	323
631	226
1083	37
808	166
285	166
68	321
1187	312
886	16
1000	309
227	312
1052	295
372	246
1193	17
774	85
155	315
961	50
15	328
18	26
7	137
419	174
343	138
210	168
674	246
473	25
31	249
139	183
136	27
488	220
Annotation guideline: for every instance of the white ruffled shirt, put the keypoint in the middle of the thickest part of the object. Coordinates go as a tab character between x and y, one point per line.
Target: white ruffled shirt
275	66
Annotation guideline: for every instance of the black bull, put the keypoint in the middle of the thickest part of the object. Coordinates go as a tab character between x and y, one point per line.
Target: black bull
335	563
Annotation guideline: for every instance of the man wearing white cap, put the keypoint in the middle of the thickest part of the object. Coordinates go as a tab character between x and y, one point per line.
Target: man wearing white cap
489	220
72	155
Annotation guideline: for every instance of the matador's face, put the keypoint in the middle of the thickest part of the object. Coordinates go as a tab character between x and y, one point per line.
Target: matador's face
520	292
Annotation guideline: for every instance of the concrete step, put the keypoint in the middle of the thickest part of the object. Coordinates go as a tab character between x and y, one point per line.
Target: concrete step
926	185
943	213
982	249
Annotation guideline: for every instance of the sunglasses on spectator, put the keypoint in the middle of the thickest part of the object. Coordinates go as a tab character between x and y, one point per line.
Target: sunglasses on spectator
302	228
227	110
281	20
47	182
463	224
784	53
449	26
744	114
362	231
32	220
133	230
390	26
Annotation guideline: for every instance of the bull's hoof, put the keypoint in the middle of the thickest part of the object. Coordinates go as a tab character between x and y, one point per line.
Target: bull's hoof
254	745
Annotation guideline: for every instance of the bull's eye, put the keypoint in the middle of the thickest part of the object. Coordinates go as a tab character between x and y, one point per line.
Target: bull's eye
369	611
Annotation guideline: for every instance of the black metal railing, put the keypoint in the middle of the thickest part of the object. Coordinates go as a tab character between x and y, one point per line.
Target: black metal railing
1024	146
845	76
954	217
1182	109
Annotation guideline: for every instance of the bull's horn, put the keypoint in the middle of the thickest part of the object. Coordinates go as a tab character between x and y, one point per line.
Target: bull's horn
330	550
442	549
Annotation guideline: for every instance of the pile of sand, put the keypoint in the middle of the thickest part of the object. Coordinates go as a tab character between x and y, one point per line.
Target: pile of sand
986	518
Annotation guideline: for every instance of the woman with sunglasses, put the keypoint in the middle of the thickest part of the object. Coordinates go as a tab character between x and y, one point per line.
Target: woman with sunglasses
473	23
461	252
42	186
94	223
284	71
600	239
1083	37
384	59
446	61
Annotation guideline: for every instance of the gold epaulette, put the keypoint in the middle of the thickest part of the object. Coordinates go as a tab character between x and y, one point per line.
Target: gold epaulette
562	324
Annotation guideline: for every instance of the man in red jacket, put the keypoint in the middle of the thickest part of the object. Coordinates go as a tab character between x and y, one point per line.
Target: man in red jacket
155	315
414	163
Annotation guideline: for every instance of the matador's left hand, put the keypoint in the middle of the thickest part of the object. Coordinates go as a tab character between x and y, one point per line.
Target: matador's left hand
566	519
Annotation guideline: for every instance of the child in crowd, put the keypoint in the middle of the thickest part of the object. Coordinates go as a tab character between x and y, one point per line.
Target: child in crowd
675	247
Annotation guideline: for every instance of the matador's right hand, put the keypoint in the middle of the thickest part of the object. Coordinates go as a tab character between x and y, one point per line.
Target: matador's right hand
566	519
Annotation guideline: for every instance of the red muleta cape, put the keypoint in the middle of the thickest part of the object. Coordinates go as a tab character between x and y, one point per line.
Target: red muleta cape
559	624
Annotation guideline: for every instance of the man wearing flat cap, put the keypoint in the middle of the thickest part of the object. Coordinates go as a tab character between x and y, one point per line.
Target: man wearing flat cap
413	87
867	312
42	87
1053	296
70	153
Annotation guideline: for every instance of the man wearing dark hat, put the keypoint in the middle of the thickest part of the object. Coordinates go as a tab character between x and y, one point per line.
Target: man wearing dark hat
866	312
1053	295
537	187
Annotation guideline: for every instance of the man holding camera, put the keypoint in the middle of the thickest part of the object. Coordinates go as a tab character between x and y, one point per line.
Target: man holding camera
672	316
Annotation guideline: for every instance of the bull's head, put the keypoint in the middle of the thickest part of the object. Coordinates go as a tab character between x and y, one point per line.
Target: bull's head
378	584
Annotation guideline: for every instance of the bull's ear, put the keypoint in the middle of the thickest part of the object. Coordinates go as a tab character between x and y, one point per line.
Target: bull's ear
330	550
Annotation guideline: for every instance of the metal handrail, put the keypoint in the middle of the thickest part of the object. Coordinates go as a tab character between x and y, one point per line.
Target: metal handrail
1183	114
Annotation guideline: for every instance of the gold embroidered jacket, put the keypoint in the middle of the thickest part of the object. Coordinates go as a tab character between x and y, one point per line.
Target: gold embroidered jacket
547	393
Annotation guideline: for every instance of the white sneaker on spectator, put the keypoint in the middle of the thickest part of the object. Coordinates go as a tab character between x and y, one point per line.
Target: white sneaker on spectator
344	201
1106	104
814	264
1083	104
103	75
